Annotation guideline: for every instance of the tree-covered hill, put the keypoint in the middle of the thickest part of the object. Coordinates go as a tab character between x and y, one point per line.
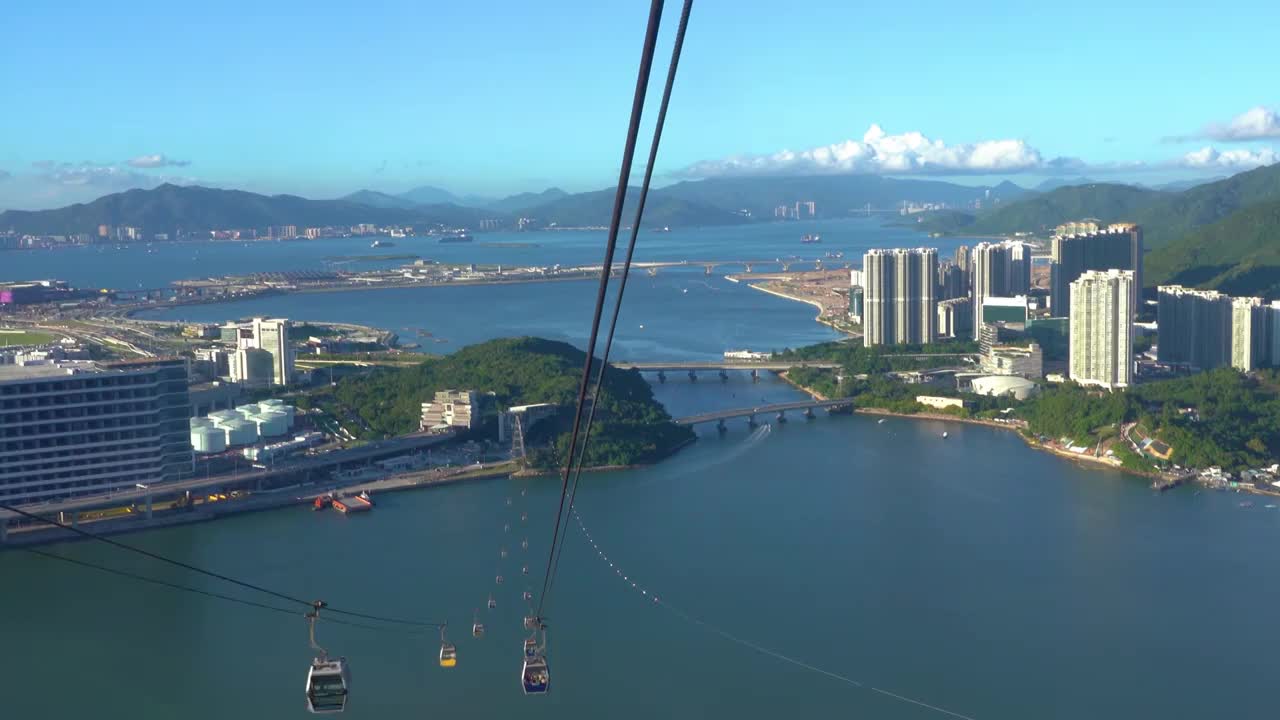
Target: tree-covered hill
631	427
1239	255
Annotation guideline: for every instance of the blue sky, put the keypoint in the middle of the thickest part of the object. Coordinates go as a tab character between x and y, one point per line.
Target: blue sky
505	96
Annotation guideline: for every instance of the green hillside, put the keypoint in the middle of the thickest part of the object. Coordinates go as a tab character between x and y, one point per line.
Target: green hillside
1105	201
631	427
1239	254
1165	216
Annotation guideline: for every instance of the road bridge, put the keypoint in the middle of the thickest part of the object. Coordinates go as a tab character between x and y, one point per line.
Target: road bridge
778	410
720	367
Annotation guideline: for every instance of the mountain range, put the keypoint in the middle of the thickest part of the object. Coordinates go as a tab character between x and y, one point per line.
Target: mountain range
168	208
1224	233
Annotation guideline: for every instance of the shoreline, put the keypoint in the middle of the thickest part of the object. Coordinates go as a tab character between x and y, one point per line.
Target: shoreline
820	319
1088	460
129	312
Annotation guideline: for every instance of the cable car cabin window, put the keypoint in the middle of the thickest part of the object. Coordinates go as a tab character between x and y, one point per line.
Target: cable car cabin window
328	690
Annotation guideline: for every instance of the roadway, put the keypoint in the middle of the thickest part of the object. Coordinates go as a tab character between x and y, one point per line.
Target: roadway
384	448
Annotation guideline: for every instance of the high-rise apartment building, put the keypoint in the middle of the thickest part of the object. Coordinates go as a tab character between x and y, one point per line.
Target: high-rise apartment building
1194	326
1101	346
900	296
71	428
1117	247
1250	333
952	281
955	318
1000	269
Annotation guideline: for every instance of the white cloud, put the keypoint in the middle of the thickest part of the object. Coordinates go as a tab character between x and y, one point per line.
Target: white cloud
157	160
1210	157
57	184
1257	123
881	153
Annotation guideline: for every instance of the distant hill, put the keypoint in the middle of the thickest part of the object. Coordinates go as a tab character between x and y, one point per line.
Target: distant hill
169	208
594	209
428	195
1107	202
1239	254
1180	185
525	200
1054	183
373	198
1165	216
834	195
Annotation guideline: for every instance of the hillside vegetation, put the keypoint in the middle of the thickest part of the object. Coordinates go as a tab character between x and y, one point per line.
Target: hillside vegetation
1223	234
630	428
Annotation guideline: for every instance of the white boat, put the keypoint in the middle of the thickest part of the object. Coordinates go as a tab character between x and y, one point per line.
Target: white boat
944	434
880	421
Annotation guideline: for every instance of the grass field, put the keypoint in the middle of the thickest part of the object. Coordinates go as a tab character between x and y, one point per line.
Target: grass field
24	337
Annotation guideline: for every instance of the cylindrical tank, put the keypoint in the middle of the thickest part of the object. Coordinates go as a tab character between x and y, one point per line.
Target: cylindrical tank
208	440
223	415
240	431
244	411
271	423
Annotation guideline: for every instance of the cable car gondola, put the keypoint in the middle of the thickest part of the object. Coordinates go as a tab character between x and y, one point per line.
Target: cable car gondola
492	603
328	682
448	653
535	676
524	544
499	579
524	570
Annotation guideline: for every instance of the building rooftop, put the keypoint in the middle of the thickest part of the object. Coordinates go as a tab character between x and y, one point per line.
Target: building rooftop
55	368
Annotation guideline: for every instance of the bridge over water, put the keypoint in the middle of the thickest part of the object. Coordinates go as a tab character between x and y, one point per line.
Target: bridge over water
778	410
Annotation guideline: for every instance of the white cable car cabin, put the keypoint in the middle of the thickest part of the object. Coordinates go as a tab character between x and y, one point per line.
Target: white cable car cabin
530	648
328	682
535	676
477	629
492	602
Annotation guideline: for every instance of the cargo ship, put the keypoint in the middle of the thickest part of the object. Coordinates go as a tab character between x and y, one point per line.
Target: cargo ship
810	239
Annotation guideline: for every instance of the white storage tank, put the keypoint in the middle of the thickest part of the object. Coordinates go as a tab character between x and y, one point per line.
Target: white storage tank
244	411
240	431
271	423
223	416
208	440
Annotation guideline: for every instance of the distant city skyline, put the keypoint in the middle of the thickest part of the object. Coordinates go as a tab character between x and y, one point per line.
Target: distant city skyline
278	97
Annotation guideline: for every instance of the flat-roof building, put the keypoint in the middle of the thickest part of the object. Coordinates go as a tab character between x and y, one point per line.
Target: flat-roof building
81	428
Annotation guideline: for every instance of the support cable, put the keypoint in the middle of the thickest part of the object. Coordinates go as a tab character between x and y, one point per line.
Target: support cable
217	576
626	266
620	196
